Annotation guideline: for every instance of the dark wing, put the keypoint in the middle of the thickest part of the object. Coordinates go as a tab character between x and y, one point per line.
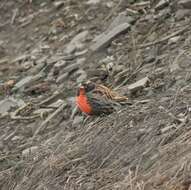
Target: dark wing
101	105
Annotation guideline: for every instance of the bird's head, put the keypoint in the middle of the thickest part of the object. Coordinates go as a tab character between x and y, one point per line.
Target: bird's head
81	90
89	86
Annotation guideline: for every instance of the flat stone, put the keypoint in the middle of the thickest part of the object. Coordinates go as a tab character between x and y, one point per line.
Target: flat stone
60	64
168	128
8	103
150	56
57	68
93	2
185	4
162	4
37	89
19	58
120	24
62	78
43	111
54	59
139	84
74	66
30	151
82	75
173	40
77	42
37	68
89	186
26	81
120	19
4	60
182	13
17	138
57	104
58	4
175	66
22	82
101	74
77	121
105	39
39	64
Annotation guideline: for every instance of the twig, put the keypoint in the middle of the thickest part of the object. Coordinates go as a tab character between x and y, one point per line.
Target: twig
14	117
109	155
158	41
164	39
74	111
171	115
15	11
42	126
49	99
126	80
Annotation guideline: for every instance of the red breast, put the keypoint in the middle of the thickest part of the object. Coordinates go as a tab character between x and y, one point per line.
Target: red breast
82	101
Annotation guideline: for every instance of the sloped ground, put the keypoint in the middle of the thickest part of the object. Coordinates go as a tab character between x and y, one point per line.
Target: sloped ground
45	144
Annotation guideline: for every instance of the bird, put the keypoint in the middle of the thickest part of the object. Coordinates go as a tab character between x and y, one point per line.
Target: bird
104	91
93	104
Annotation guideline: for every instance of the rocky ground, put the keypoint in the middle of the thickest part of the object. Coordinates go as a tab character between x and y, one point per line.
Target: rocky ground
139	48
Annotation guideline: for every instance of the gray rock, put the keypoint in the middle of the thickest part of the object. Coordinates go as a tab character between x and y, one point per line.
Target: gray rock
151	55
4	60
30	151
74	66
109	4
20	58
106	38
173	40
43	111
185	4
22	82
58	4
182	13
163	14
139	84
120	19
161	4
26	81
62	78
8	103
37	68
93	2
120	24
56	58
57	104
82	76
77	42
17	138
77	121
80	53
89	186
71	100
60	64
